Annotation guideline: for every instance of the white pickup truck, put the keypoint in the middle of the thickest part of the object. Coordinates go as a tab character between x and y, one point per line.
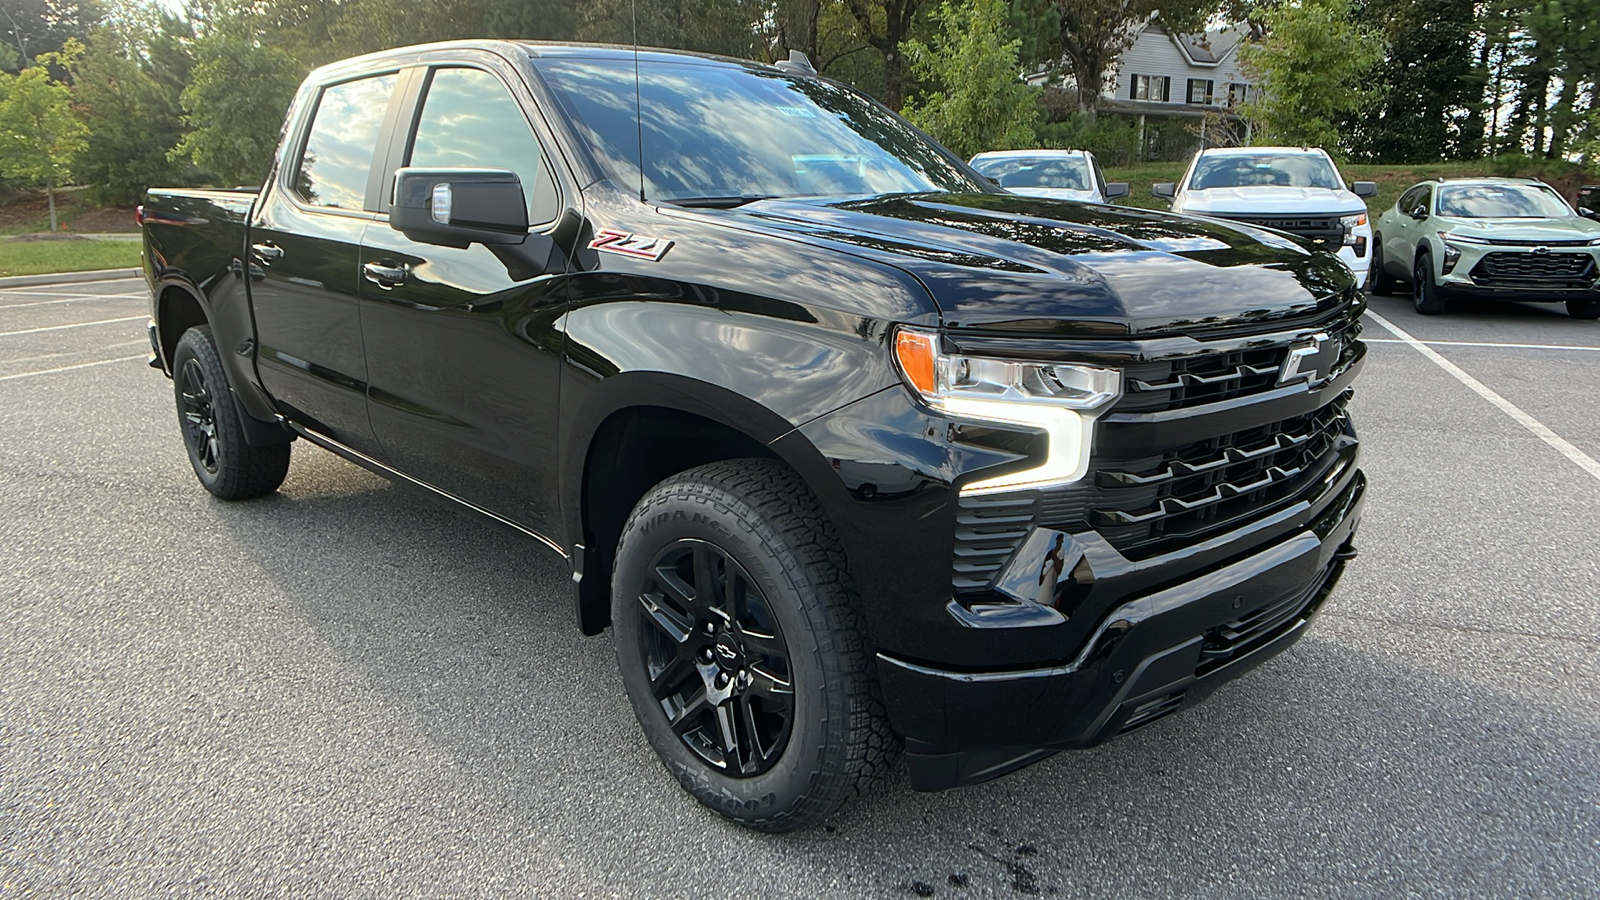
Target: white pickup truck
1293	189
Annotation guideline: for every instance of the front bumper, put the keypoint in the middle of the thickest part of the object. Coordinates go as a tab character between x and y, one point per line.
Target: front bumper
1148	657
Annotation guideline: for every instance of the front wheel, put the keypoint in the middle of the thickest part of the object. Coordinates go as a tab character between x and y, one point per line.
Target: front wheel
223	460
1379	281
1424	293
1583	309
741	647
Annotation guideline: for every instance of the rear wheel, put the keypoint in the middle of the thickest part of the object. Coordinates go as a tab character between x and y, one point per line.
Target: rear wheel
1379	281
1424	293
740	645
1583	309
223	460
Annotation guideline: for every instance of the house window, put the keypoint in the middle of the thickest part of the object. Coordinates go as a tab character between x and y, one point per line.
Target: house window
1238	93
1154	88
1200	91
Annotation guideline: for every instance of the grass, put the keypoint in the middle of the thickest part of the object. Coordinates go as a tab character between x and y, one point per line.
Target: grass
41	257
1392	180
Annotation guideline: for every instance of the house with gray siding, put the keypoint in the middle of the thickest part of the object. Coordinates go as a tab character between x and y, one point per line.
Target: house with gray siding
1179	74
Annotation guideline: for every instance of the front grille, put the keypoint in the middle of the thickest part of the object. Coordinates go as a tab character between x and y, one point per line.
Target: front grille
1212	377
1232	640
1325	230
1525	267
1142	506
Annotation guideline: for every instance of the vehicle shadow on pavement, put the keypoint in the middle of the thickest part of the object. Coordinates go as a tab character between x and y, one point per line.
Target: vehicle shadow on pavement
1348	764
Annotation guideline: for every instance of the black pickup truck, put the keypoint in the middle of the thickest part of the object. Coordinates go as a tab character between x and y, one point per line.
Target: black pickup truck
854	452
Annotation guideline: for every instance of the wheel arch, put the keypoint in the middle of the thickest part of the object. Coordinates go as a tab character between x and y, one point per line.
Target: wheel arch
637	430
178	308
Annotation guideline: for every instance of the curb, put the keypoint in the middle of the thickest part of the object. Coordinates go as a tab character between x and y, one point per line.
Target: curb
68	277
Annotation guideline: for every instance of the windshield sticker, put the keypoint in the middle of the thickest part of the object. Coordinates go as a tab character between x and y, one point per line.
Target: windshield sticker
636	245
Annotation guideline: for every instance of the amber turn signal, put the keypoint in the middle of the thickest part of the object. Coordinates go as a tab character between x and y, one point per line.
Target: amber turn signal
916	353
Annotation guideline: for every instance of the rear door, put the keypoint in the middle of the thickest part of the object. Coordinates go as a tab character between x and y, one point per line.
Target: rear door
463	344
1400	247
305	239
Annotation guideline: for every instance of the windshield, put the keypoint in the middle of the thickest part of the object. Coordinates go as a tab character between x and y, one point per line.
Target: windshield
1303	170
1501	201
1066	172
714	131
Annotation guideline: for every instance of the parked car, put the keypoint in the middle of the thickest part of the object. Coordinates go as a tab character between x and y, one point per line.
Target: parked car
1055	174
850	449
1500	238
1589	201
1293	189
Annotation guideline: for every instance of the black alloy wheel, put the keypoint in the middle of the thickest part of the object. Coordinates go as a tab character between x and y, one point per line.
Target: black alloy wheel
1424	293
1379	281
716	658
223	459
198	415
740	643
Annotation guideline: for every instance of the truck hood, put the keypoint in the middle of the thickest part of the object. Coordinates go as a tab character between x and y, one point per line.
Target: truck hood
1015	265
1269	200
1531	231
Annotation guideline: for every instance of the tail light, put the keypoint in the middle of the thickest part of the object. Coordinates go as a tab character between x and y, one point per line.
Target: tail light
138	214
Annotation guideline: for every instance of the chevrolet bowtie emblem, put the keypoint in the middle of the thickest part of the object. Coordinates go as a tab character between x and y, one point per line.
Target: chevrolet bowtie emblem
1294	366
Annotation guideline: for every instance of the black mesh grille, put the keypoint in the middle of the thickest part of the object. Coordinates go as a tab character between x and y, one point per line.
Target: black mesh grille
1515	267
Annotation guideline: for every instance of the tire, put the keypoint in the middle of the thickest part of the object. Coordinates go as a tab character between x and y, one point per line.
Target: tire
768	709
1379	281
208	417
1583	309
1424	293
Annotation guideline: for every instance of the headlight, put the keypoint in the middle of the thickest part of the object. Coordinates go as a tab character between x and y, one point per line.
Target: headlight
1461	238
1061	400
1452	255
1350	224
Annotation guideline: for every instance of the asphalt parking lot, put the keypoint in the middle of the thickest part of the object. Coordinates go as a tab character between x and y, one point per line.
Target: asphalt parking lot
346	690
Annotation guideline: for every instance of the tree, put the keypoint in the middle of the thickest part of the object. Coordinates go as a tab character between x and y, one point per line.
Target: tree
234	106
885	25
1312	67
133	117
1428	89
982	103
39	131
1092	34
32	28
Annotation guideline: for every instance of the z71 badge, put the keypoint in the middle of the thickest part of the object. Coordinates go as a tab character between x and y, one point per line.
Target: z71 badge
630	244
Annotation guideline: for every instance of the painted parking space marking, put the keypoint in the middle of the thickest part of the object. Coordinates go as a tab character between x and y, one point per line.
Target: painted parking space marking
77	298
1539	429
74	325
100	362
1491	344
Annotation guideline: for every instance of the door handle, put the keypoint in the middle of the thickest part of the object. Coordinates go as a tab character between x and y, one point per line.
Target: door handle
382	275
268	252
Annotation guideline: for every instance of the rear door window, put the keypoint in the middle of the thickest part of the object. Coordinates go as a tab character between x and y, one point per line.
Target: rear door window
338	151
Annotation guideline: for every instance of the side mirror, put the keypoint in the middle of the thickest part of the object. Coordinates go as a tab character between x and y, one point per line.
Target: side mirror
1418	212
1364	189
1116	189
1588	213
459	207
1165	189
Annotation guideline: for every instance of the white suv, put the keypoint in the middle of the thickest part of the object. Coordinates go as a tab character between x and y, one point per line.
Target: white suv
1293	189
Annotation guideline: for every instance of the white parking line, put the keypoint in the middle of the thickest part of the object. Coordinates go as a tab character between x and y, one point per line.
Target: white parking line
77	298
1481	344
1584	460
102	362
74	325
70	353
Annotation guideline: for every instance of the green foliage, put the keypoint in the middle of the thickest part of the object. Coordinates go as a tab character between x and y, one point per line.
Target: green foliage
1312	68
1114	140
41	256
133	116
1092	34
981	102
40	133
234	106
1427	90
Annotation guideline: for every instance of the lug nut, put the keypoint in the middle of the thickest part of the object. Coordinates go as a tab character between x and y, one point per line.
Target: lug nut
710	628
722	680
705	655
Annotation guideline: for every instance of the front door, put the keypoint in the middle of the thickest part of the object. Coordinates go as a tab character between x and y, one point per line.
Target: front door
463	345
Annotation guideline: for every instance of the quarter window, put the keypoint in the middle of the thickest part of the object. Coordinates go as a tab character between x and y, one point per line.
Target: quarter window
470	120
344	137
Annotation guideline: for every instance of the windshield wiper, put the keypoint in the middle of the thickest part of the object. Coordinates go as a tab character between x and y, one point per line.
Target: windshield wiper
719	202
